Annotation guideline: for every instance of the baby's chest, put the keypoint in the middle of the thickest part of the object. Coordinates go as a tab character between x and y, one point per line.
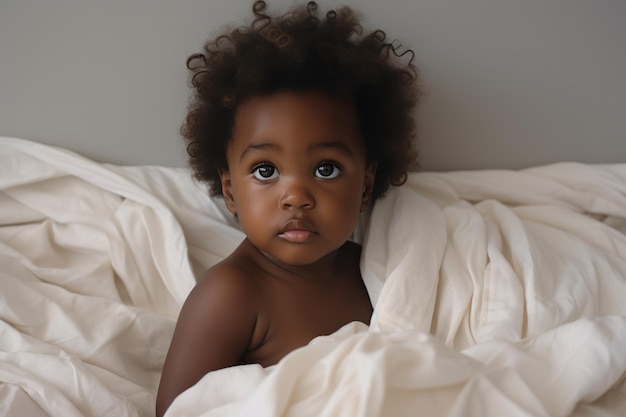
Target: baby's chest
291	324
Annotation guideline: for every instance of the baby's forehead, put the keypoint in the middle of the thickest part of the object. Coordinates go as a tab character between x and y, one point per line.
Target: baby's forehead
315	120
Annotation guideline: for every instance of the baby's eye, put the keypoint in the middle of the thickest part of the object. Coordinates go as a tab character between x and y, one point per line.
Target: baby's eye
265	172
327	170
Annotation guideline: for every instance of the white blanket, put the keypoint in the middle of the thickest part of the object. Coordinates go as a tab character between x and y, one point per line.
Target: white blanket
495	292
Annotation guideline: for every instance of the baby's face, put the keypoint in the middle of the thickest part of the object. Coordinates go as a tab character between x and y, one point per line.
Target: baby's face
297	174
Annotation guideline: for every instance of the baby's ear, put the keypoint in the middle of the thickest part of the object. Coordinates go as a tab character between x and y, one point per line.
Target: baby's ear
227	191
368	186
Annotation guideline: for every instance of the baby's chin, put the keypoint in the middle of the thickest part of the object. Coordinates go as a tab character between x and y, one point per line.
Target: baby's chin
300	255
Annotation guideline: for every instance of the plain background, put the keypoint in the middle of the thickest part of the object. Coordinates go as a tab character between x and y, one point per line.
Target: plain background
510	83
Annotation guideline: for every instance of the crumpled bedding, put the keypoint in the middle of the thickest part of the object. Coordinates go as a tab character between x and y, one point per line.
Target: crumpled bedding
495	293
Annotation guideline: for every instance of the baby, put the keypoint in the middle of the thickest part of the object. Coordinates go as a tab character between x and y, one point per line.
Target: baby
300	122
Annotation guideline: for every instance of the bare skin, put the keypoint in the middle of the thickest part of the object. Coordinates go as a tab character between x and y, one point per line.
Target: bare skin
297	179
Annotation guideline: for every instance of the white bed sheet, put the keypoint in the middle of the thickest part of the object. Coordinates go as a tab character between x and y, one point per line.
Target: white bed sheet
496	293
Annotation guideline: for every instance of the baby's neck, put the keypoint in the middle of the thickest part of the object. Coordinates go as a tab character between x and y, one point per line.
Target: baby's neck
320	271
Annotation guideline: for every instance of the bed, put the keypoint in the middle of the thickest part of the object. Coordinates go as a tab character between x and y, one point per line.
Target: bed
496	292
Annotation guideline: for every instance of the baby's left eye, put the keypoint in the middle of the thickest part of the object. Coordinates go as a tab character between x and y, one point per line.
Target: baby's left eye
327	170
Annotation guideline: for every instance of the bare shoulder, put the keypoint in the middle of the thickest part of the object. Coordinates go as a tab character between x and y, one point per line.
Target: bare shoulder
226	279
213	330
222	304
222	301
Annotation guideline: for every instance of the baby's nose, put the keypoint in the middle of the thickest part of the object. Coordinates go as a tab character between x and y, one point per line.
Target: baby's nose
297	195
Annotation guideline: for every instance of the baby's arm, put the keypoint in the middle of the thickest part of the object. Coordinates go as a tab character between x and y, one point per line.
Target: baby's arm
213	331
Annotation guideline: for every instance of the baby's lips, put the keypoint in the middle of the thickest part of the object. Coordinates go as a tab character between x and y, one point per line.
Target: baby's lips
298	236
298	231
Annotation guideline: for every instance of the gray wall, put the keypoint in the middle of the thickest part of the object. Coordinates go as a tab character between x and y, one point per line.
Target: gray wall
510	83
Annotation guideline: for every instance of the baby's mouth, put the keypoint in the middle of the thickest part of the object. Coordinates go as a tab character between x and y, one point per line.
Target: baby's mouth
298	231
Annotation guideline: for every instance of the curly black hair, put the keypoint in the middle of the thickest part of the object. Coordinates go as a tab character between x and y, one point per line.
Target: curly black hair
300	51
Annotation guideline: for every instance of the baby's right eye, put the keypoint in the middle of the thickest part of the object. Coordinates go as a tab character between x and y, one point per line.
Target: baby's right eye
265	172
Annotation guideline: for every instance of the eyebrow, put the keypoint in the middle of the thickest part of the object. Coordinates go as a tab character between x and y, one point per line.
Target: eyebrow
258	146
334	145
342	147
